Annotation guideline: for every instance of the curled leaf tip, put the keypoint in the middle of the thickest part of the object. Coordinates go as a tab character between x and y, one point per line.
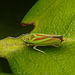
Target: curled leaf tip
25	24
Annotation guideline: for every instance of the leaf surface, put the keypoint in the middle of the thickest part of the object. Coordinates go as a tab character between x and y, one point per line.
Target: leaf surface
50	17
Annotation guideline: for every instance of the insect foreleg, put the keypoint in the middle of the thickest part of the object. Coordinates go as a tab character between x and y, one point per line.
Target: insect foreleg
29	44
38	50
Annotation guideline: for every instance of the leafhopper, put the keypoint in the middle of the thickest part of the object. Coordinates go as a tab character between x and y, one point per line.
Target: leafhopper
35	39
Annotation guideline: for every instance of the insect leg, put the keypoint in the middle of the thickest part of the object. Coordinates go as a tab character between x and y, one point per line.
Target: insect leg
29	44
38	50
55	45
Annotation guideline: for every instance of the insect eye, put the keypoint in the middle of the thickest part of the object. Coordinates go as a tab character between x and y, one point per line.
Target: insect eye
32	36
27	38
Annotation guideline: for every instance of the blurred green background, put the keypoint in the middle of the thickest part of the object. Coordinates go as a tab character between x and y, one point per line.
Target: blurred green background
11	15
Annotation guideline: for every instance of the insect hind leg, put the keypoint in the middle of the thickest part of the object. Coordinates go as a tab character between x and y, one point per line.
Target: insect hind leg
55	45
38	50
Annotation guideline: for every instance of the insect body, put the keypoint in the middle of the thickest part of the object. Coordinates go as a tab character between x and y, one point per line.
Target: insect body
35	40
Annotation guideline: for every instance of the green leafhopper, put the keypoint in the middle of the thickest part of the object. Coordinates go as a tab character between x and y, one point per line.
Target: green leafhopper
35	39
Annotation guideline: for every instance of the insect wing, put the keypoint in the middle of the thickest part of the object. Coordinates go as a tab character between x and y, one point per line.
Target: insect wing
38	37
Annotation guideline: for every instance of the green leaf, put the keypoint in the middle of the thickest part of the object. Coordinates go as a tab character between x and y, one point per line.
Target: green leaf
10	18
50	17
